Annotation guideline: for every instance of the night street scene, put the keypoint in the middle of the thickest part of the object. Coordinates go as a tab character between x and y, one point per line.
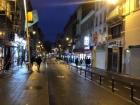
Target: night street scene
69	52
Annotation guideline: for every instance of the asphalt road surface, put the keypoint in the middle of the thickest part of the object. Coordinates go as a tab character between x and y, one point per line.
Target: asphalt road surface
55	85
68	88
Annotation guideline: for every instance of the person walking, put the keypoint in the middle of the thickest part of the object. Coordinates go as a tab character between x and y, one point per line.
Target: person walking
81	61
86	62
76	62
38	60
89	62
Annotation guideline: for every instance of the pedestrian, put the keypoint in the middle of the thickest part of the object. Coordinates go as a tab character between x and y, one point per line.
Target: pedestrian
81	61
76	62
32	60
86	62
89	62
38	60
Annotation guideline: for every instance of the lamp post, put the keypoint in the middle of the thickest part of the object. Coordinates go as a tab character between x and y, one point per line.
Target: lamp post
27	33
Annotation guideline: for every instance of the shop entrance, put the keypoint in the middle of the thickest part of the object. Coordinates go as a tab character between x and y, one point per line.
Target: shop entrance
115	59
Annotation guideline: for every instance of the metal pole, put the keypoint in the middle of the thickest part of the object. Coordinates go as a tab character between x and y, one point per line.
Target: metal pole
132	91
113	85
27	32
100	80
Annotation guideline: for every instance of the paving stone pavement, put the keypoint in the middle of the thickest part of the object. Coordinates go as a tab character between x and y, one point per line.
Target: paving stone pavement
24	88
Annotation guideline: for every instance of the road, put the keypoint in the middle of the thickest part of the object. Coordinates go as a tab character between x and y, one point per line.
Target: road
56	85
68	88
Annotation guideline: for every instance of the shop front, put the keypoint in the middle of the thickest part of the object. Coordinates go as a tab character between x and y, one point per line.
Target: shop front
19	53
100	57
132	61
115	52
99	51
81	54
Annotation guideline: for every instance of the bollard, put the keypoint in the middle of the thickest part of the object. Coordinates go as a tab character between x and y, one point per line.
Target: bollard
80	71
100	80
77	68
91	76
132	91
70	67
85	74
113	85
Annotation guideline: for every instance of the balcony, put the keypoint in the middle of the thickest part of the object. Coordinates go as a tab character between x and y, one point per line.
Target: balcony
115	15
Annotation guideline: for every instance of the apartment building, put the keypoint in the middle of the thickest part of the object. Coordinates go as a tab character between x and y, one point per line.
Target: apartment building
124	41
85	24
99	35
11	23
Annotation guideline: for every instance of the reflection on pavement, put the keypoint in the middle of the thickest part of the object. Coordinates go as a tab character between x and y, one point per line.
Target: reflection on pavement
35	67
43	66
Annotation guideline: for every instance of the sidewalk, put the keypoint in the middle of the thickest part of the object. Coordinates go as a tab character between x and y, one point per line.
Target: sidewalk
121	77
12	70
24	88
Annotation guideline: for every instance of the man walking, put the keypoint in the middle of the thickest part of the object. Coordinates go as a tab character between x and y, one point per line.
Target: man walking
38	60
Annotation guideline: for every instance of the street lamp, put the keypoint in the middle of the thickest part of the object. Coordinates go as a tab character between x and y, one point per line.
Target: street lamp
59	45
34	32
67	38
0	33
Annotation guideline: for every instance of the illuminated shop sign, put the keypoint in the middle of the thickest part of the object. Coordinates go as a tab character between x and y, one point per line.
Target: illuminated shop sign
86	42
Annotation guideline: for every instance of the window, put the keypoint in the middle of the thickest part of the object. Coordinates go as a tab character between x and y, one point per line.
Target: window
137	4
96	21
116	31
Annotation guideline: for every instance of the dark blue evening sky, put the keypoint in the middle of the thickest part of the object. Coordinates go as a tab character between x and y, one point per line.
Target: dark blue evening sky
52	17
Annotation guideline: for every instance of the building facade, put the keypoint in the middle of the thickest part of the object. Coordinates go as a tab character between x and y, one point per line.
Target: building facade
110	34
11	23
124	41
99	34
85	24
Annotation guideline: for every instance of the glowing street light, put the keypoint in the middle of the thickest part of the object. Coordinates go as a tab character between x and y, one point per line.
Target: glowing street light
67	38
112	1
34	32
59	45
0	33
